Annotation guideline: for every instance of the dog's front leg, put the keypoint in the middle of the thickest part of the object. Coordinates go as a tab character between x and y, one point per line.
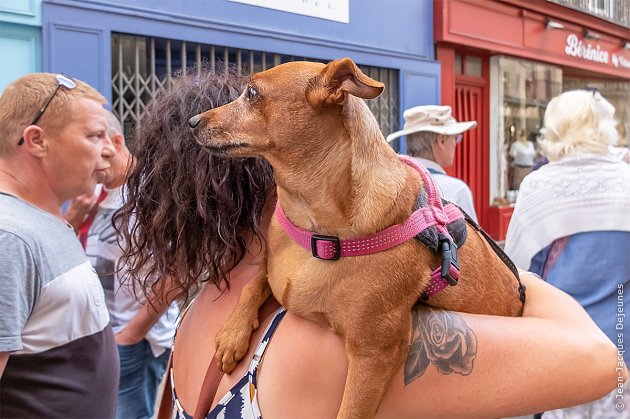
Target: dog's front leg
232	340
373	358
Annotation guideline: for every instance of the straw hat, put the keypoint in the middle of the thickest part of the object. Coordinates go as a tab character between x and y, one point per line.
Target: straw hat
431	118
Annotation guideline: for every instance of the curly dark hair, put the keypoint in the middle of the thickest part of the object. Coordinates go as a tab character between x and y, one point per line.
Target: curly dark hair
188	214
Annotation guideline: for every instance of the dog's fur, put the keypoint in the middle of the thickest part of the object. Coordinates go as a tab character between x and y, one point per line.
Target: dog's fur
337	176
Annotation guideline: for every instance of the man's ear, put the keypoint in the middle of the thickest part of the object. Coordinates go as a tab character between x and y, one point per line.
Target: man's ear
118	141
440	142
339	78
35	141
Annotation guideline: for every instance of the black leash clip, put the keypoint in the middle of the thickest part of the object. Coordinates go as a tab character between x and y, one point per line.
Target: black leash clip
448	250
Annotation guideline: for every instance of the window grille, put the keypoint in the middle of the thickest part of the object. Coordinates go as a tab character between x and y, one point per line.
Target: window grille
142	66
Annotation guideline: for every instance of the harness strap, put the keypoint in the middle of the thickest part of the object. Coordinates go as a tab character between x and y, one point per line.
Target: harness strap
500	253
435	214
332	248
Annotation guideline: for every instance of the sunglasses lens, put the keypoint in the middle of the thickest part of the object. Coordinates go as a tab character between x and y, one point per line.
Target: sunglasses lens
66	81
459	138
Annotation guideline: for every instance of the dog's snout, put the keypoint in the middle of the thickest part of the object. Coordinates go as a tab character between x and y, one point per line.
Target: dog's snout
194	121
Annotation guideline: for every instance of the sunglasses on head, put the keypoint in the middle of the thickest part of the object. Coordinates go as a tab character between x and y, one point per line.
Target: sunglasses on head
62	80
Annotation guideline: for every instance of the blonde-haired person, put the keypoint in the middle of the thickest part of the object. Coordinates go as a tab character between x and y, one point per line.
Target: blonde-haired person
571	226
58	357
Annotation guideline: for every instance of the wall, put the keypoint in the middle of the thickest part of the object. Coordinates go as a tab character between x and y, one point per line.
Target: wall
20	38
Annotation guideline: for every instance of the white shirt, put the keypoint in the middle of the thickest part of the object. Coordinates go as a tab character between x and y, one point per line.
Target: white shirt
103	252
523	153
451	188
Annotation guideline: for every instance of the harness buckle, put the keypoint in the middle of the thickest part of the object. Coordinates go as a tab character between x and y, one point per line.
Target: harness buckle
332	239
448	251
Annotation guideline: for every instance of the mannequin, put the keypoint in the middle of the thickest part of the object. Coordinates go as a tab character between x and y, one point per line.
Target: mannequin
522	153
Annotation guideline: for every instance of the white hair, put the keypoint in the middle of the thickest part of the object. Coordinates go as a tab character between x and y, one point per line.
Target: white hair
578	121
420	144
113	124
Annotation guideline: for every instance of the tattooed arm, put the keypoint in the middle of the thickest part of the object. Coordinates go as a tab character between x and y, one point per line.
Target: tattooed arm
465	365
441	338
459	365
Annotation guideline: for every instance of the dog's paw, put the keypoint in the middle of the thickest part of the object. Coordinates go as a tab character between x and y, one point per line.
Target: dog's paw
231	345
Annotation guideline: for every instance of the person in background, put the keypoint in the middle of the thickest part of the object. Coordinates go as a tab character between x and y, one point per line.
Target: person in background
432	134
58	356
523	153
202	219
570	223
143	330
80	211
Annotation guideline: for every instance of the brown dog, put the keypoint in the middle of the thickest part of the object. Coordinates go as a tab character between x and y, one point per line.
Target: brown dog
337	176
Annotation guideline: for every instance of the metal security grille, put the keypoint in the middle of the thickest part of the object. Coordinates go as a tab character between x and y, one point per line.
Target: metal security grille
142	66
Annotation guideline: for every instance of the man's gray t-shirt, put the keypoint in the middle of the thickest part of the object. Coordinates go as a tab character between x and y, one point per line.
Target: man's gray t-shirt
53	321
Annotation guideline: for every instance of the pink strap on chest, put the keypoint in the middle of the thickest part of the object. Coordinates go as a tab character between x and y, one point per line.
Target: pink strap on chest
332	248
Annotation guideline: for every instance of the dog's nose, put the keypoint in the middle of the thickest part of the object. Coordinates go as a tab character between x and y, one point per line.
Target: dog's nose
194	121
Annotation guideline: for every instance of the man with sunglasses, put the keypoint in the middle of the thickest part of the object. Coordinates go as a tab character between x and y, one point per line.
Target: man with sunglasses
58	357
432	134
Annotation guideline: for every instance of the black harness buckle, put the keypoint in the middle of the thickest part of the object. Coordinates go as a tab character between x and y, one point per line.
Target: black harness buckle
332	239
448	251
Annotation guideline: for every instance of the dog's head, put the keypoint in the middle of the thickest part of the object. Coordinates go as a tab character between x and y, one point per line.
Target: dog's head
293	104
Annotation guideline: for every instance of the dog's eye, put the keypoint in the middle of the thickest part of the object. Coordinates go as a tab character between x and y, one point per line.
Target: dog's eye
252	94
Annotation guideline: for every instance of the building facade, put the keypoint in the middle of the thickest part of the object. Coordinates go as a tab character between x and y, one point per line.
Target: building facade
128	48
501	63
20	38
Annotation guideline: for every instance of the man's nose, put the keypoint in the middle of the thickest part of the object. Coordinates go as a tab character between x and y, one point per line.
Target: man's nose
194	121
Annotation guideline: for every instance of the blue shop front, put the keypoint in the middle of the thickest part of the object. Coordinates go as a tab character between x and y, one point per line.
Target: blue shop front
128	48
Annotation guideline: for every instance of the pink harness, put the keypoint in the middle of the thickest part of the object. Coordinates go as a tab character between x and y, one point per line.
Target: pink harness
435	214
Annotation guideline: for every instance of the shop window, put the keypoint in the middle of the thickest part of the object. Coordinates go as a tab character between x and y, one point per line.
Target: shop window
142	66
458	64
468	65
601	7
472	66
526	88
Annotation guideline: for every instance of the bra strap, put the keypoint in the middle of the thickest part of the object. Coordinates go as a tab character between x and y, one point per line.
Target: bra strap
214	374
165	411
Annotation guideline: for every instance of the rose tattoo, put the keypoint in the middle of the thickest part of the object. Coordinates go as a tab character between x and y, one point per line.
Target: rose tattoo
441	338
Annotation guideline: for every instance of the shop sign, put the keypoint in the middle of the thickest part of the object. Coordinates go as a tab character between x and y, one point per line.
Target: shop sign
620	61
580	48
577	48
337	10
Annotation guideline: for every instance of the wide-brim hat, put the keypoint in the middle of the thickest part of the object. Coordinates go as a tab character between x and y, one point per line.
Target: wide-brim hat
431	118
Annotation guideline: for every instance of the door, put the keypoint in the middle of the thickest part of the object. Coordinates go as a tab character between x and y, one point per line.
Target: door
464	84
471	156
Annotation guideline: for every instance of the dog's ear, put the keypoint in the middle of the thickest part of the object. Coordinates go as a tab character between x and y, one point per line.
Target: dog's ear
339	78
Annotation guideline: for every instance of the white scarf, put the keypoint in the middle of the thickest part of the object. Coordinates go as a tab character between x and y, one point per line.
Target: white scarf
566	197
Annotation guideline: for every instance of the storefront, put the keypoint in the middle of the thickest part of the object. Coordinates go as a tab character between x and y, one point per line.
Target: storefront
127	48
20	39
502	61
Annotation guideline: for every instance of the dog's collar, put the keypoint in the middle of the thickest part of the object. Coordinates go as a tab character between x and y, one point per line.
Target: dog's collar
435	214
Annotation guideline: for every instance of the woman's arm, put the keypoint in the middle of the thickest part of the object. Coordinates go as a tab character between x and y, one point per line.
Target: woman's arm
554	356
460	365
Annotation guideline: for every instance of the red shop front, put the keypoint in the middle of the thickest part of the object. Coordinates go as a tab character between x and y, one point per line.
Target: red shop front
501	62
